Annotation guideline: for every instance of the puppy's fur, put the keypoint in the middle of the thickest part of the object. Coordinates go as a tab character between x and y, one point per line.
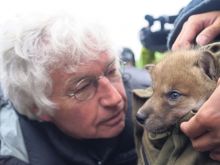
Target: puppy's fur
182	82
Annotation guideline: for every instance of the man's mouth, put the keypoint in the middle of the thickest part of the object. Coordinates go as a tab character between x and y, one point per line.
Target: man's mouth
115	119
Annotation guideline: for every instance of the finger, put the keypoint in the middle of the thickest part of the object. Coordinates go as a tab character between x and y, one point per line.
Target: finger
188	33
193	128
208	34
205	142
218	82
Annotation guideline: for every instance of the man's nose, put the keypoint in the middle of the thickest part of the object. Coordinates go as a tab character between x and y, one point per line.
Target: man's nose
110	96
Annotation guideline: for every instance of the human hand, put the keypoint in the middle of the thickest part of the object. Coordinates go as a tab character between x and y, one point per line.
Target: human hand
204	128
200	28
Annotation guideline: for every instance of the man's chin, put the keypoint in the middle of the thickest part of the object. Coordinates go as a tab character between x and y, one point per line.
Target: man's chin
113	132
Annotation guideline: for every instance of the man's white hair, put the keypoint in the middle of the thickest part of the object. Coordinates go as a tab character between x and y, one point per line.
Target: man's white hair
29	54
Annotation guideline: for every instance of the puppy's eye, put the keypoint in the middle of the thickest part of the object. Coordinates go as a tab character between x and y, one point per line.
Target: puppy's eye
173	95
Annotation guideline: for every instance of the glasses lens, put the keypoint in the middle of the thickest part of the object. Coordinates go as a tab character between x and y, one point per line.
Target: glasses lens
122	66
85	89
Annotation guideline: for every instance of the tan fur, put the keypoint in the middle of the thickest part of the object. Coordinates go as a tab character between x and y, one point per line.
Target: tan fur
182	82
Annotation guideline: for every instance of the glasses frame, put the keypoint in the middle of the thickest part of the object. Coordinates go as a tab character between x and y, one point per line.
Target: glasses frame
93	82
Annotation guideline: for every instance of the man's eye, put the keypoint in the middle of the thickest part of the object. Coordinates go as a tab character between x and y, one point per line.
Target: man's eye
82	86
111	72
173	95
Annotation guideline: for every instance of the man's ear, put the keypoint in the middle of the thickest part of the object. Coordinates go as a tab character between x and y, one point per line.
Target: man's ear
42	117
209	64
45	118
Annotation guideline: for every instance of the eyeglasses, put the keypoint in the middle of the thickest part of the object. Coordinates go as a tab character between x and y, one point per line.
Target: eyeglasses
86	88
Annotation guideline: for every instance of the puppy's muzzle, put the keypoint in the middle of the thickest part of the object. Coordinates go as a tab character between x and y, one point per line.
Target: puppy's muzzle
140	118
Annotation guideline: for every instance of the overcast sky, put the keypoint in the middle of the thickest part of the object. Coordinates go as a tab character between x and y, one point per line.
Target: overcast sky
122	18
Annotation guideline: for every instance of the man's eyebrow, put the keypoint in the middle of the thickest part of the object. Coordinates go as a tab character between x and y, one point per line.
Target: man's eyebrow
76	79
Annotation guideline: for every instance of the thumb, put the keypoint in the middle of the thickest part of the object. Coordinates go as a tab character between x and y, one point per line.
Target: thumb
191	128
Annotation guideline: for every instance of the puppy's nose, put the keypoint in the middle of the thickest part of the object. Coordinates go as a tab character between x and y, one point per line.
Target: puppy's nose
140	118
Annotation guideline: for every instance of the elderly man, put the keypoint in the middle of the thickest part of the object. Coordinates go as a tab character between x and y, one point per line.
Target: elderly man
64	82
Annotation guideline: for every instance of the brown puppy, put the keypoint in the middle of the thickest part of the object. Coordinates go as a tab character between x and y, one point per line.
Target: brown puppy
182	82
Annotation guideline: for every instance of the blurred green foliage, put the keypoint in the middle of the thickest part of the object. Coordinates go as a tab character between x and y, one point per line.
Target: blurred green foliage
148	57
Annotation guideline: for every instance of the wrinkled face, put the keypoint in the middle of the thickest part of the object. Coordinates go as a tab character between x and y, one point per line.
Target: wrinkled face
179	86
100	116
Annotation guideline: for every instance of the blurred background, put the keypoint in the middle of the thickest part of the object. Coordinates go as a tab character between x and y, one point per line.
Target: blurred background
123	19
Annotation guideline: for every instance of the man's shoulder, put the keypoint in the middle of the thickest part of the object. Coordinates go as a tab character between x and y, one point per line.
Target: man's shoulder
11	137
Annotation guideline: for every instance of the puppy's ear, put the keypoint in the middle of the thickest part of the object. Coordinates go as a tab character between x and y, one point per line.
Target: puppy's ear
213	48
149	67
209	64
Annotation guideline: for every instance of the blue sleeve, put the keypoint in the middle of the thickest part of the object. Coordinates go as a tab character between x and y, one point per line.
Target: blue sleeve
194	7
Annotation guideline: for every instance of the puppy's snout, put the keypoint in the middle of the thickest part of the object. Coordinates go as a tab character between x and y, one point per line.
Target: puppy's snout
140	117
